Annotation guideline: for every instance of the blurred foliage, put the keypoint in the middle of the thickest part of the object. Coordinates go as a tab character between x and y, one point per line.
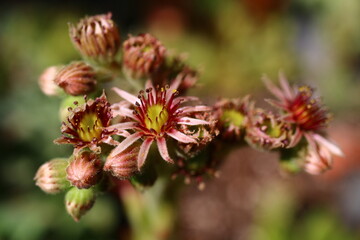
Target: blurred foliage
278	218
318	41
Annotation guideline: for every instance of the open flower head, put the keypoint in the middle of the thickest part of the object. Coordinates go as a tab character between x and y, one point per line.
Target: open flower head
86	126
267	131
299	104
232	116
153	116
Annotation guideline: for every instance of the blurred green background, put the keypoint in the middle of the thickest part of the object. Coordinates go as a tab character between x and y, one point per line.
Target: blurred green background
233	43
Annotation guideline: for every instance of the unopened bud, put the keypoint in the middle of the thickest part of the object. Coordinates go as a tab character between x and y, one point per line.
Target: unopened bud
77	78
47	81
142	55
51	176
79	201
123	164
97	38
84	170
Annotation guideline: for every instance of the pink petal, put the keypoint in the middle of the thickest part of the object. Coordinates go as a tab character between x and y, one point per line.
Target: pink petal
191	121
189	109
184	99
329	145
122	126
161	143
124	112
276	103
273	89
181	137
175	84
144	150
289	94
125	95
296	138
125	143
109	140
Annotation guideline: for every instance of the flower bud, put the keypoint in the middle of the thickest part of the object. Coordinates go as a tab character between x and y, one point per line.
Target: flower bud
47	81
84	170
188	77
77	78
96	38
266	131
142	55
123	164
79	201
51	176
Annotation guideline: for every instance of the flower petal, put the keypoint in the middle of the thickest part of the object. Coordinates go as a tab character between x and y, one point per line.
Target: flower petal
125	95
124	112
296	138
125	143
181	137
189	109
122	126
329	145
287	91
161	143
191	121
273	88
144	150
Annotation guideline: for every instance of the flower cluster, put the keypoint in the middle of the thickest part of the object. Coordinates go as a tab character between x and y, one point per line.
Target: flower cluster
113	142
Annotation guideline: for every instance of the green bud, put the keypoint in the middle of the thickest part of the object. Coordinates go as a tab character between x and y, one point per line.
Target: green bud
292	160
79	201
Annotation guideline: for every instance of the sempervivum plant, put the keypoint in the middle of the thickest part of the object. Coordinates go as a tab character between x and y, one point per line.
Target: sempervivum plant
120	146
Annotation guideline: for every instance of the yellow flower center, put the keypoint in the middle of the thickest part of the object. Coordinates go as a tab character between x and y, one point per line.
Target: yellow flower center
272	130
156	117
90	127
232	117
